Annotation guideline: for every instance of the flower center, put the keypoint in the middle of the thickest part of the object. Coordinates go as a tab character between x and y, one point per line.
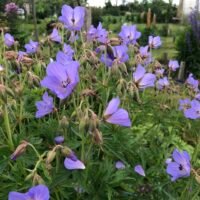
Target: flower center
66	82
180	167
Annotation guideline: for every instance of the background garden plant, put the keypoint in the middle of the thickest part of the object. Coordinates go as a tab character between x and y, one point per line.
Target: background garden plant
83	118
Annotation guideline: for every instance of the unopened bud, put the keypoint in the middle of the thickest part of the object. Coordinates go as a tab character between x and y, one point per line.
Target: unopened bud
37	179
66	151
50	156
97	137
19	150
59	139
64	122
30	176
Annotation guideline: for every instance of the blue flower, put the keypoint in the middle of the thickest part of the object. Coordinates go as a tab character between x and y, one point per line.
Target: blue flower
180	166
39	192
45	106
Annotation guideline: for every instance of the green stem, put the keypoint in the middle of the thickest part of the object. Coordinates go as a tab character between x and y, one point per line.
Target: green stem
36	152
8	129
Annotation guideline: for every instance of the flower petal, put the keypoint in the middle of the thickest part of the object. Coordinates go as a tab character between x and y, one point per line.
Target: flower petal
139	169
120	117
112	106
73	164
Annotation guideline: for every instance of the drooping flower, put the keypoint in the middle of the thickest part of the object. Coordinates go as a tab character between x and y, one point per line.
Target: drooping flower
45	106
139	169
118	55
55	36
97	34
154	42
39	192
21	55
163	83
142	79
9	40
145	55
71	162
19	150
192	83
67	49
61	80
115	115
184	104
120	165
59	139
129	34
173	65
180	166
159	72
73	19
31	47
194	111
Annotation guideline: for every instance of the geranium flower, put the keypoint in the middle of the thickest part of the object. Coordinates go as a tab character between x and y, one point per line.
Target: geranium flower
154	42
173	65
194	111
118	55
129	34
180	166
55	36
31	47
45	106
142	79
193	83
9	40
39	192
61	80
73	19
100	34
115	115
71	162
162	83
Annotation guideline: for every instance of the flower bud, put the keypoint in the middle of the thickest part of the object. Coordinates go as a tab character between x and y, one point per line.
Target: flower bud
19	150
37	179
33	79
59	139
30	176
50	156
64	122
66	151
97	137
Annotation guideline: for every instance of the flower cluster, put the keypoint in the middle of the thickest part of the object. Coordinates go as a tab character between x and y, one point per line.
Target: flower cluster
62	77
11	8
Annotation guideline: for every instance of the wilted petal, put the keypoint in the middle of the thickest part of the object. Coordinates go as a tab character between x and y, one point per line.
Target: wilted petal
73	164
138	169
120	165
